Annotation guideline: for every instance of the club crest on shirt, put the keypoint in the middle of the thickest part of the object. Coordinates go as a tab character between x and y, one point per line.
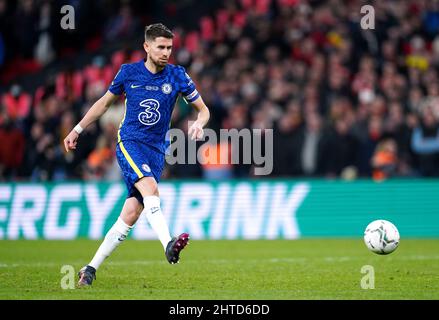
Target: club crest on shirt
146	168
166	88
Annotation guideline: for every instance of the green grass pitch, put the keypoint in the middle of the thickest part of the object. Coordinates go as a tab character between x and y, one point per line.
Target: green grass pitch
212	270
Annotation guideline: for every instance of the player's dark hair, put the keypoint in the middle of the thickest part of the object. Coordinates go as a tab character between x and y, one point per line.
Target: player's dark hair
157	30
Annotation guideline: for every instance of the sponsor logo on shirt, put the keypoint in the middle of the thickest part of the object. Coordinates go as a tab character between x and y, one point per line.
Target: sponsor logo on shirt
151	115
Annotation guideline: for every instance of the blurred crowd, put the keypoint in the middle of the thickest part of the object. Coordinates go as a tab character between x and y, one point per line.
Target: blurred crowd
342	101
35	33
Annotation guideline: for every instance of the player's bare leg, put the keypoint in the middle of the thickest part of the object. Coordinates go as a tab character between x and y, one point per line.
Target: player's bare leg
148	188
115	236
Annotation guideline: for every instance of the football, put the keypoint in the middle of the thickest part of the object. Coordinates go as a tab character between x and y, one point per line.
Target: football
381	237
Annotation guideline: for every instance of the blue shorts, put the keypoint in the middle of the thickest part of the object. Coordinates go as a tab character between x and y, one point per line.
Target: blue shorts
137	161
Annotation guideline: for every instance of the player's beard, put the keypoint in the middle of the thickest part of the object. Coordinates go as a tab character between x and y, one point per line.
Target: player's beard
159	63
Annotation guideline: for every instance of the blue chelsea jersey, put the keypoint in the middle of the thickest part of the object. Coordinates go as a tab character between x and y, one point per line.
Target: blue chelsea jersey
150	99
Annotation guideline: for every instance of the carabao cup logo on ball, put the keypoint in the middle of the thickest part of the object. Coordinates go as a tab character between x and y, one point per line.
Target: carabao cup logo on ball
151	115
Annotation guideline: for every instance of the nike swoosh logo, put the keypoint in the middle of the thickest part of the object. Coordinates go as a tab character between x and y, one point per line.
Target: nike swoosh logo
134	87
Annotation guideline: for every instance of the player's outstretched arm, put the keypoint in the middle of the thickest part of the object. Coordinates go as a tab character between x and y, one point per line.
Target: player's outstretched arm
95	112
196	129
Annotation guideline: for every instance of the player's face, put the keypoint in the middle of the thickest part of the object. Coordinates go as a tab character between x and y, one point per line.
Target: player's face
159	50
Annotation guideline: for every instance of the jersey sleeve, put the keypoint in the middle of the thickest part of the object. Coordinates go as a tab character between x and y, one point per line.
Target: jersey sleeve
187	86
117	86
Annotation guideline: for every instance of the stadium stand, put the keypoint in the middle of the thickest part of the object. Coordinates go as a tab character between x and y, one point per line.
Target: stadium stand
343	102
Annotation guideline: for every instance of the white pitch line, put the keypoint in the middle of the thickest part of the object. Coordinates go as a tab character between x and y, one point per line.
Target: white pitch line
225	261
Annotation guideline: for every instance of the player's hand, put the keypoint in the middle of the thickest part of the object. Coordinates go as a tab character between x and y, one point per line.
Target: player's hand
71	140
196	131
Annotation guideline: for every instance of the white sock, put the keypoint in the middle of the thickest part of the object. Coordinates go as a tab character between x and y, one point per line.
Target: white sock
156	219
114	237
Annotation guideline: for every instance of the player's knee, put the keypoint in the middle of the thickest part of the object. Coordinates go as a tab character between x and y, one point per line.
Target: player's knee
147	186
130	214
154	190
133	215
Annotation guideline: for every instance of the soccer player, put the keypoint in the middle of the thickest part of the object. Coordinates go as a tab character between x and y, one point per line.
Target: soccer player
151	88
